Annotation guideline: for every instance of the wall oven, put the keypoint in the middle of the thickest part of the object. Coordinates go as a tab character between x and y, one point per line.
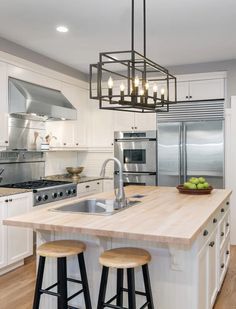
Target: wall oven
137	154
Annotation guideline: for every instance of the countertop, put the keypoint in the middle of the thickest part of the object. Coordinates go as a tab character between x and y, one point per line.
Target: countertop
12	191
164	215
67	177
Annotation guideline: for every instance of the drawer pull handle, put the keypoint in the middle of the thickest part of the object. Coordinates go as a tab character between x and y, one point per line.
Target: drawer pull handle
214	220
98	183
222	234
222	210
227	224
222	265
6	201
227	203
211	244
227	252
205	233
87	187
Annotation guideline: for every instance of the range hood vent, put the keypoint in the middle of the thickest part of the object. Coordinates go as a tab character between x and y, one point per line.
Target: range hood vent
33	101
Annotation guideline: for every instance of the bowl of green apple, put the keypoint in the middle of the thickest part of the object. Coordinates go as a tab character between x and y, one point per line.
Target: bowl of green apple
195	185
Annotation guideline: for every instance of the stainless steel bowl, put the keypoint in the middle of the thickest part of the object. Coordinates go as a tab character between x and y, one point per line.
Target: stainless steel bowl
75	171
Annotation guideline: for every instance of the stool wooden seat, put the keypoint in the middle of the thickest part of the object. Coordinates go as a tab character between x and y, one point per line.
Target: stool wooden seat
61	248
129	259
125	258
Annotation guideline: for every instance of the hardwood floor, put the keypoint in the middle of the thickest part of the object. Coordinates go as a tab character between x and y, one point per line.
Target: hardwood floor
17	287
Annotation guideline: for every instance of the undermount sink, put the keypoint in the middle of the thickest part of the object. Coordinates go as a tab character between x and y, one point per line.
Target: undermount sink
94	206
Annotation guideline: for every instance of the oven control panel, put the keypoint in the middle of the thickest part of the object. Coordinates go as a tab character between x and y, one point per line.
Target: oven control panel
53	194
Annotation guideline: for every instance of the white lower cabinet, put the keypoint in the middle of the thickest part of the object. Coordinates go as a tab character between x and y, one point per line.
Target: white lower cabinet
90	187
16	243
213	257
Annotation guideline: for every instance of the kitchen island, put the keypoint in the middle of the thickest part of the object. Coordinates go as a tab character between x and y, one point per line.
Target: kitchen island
187	236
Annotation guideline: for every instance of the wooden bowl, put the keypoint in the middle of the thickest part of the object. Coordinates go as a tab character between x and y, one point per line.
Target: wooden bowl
194	191
75	171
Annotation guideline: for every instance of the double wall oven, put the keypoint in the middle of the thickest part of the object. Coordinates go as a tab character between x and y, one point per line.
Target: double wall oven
137	152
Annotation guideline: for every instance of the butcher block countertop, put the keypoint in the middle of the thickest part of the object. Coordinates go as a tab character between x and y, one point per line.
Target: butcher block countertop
163	216
12	191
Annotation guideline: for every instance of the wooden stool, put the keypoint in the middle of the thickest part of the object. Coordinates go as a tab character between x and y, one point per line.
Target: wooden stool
62	249
125	258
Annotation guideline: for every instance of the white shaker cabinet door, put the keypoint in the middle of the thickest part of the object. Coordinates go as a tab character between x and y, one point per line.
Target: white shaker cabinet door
212	269
207	89
19	240
3	105
124	121
3	236
145	121
202	279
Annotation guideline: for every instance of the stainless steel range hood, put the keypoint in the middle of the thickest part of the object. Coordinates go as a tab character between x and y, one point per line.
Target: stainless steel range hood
32	101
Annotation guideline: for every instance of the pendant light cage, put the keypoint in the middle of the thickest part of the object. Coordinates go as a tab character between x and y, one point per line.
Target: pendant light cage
129	81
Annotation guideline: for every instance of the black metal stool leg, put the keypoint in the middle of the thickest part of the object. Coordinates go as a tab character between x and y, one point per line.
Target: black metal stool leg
147	285
84	280
119	287
62	283
131	288
39	282
103	287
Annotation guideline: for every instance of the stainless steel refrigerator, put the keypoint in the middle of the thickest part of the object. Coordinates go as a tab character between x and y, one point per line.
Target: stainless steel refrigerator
192	146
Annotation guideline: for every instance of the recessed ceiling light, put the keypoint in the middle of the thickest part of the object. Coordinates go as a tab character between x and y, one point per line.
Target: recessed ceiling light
62	29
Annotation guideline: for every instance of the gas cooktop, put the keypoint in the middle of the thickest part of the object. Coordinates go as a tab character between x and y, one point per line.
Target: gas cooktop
36	184
46	191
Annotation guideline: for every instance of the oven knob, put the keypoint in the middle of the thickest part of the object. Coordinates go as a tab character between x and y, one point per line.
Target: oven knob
68	192
45	197
74	191
54	195
60	194
38	198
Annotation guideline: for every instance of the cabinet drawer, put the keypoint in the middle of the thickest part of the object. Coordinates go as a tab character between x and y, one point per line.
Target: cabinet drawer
89	188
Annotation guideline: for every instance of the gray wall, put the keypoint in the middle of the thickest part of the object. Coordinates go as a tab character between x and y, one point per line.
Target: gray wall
227	65
27	54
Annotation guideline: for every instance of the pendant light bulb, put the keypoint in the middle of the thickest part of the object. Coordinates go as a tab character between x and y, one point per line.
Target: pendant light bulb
122	87
162	91
136	81
155	88
147	85
110	82
141	92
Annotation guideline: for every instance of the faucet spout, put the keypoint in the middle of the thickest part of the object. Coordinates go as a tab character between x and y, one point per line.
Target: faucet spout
121	200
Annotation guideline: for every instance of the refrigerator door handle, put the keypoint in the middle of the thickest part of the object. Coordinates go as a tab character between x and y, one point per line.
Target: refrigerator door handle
180	154
184	152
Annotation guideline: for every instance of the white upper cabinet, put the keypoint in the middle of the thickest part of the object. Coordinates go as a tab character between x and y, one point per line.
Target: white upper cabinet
3	105
124	121
100	126
207	89
3	236
145	121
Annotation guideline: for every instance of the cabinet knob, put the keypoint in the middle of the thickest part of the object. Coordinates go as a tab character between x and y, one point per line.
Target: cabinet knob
10	200
222	234
6	201
227	203
6	142
132	128
227	252
227	224
222	210
214	220
87	187
190	97
211	244
98	183
205	233
77	144
64	144
222	265
112	144
136	128
186	96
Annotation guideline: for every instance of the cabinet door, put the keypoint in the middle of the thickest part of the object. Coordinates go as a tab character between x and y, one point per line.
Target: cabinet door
212	269
202	279
108	185
100	126
124	121
207	89
19	240
182	91
3	236
3	105
145	121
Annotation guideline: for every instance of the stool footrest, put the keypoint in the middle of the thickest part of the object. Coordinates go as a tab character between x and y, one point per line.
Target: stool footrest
136	292
74	280
51	286
49	292
75	294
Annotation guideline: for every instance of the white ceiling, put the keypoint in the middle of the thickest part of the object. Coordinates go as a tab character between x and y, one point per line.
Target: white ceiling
178	31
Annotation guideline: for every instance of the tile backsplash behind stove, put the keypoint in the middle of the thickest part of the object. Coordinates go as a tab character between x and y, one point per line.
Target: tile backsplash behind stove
56	162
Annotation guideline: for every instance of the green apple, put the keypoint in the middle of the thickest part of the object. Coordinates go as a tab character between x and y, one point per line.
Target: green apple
200	186
194	180
192	186
187	185
206	185
202	179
